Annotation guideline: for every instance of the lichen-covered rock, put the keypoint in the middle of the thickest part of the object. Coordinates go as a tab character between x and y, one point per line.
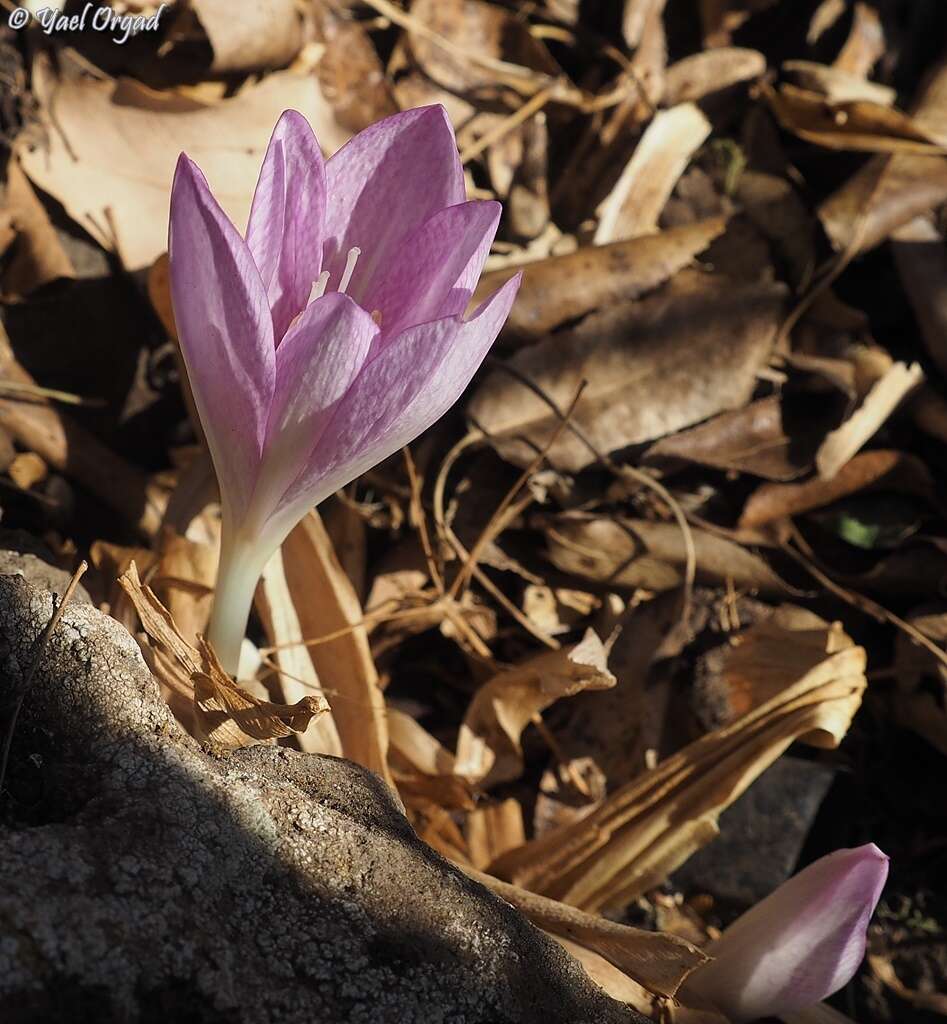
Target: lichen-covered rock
143	879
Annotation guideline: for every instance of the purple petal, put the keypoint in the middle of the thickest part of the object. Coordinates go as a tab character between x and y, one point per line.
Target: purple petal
437	268
316	364
400	392
800	944
226	332
287	218
385	182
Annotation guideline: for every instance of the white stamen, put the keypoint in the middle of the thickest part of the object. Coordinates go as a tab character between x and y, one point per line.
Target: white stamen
319	287
350	262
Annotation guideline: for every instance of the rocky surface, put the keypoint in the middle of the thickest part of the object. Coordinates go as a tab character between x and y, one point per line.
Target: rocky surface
144	879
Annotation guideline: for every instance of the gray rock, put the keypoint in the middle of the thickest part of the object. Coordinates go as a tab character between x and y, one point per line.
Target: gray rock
761	835
145	879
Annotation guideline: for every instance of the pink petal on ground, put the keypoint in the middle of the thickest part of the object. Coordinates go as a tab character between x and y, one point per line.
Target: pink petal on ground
385	182
799	945
226	332
431	278
287	219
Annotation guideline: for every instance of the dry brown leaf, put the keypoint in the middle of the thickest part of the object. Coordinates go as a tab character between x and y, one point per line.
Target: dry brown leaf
297	676
326	603
351	75
37	256
652	367
638	553
885	396
608	977
800	682
492	829
697	76
635	18
411	745
777	211
27	469
865	43
566	287
250	36
853	124
39	426
658	961
890	190
750	440
423	769
119	193
227	713
488	746
635	203
823	18
875	470
481	35
836	85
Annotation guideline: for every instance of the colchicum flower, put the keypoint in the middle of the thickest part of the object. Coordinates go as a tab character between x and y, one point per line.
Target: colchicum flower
799	945
333	334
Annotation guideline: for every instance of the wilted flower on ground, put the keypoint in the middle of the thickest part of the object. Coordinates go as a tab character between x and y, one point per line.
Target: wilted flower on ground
799	945
333	334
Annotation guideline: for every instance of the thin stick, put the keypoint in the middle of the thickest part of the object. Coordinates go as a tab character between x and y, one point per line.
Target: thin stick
41	642
690	551
418	510
17	389
495	524
523	113
865	604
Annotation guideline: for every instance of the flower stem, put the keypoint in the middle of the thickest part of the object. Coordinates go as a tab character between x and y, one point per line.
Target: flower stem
237	576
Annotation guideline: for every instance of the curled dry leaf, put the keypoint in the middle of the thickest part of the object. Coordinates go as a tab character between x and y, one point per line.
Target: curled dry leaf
652	367
865	43
657	960
635	202
566	287
227	713
697	76
635	18
297	676
638	553
326	604
119	193
488	747
250	36
494	828
874	470
885	396
836	85
798	681
421	768
890	190
852	124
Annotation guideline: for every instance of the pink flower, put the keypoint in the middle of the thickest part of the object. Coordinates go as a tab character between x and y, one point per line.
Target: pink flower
799	945
333	334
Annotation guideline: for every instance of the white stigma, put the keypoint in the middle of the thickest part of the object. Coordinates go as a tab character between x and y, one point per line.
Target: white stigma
350	262
319	287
